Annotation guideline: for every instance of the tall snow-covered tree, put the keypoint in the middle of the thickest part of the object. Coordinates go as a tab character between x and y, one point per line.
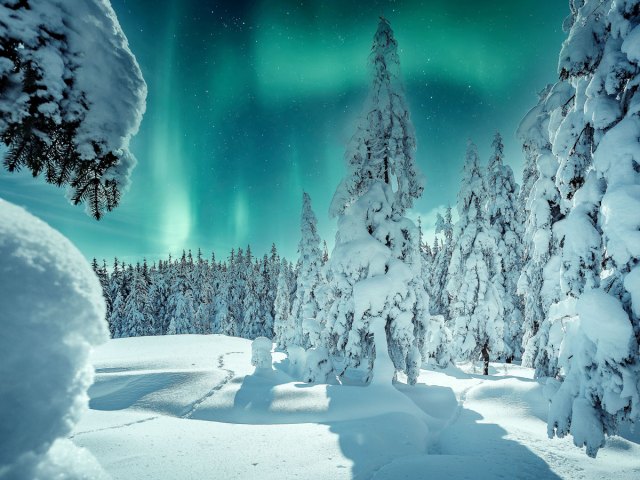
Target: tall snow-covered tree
377	312
273	273
251	321
237	277
266	298
538	283
282	326
223	321
505	230
305	306
438	274
103	276
476	308
203	294
181	312
72	97
158	299
598	151
135	320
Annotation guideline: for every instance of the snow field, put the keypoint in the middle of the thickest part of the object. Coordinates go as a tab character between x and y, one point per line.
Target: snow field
190	406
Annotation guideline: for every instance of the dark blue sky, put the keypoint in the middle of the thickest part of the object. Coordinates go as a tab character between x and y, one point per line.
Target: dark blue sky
251	102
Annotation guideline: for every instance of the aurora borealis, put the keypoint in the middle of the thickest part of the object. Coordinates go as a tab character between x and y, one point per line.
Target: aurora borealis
252	102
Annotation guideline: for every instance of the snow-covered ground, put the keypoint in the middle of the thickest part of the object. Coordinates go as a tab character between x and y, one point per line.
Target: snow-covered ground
189	406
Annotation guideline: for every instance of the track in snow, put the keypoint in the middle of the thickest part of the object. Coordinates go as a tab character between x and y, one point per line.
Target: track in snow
115	427
230	374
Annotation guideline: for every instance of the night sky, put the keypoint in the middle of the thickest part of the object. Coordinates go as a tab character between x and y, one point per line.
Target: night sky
251	102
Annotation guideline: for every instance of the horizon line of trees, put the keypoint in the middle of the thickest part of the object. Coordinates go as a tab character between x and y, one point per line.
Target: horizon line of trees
194	294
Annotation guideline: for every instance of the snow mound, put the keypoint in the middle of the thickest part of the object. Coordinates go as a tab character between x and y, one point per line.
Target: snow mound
52	313
261	353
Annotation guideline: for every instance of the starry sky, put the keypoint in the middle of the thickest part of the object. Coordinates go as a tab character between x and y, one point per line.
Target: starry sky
252	102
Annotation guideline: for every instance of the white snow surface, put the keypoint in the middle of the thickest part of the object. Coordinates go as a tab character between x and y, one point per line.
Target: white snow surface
51	313
193	407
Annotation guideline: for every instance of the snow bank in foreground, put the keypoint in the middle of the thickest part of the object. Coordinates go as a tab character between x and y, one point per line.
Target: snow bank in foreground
51	311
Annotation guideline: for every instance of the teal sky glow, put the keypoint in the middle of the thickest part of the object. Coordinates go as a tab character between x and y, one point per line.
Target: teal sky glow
252	102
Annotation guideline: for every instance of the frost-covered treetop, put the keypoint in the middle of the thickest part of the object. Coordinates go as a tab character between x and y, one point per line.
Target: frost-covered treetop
470	195
71	96
445	225
383	147
580	53
310	240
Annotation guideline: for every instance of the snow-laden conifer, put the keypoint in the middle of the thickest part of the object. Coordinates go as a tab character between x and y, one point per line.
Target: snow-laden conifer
377	312
282	326
539	283
305	306
135	320
438	274
476	309
504	228
72	95
597	145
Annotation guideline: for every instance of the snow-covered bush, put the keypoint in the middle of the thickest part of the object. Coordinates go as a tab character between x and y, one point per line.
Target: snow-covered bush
261	353
51	314
317	366
437	345
297	360
600	378
71	96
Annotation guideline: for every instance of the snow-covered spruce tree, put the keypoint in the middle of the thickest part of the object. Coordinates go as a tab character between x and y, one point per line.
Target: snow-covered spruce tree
305	306
265	296
121	285
203	294
377	314
283	326
437	345
180	306
72	96
539	281
273	273
438	274
252	323
477	313
237	283
222	319
114	289
158	298
437	342
426	257
103	276
504	227
135	320
599	152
